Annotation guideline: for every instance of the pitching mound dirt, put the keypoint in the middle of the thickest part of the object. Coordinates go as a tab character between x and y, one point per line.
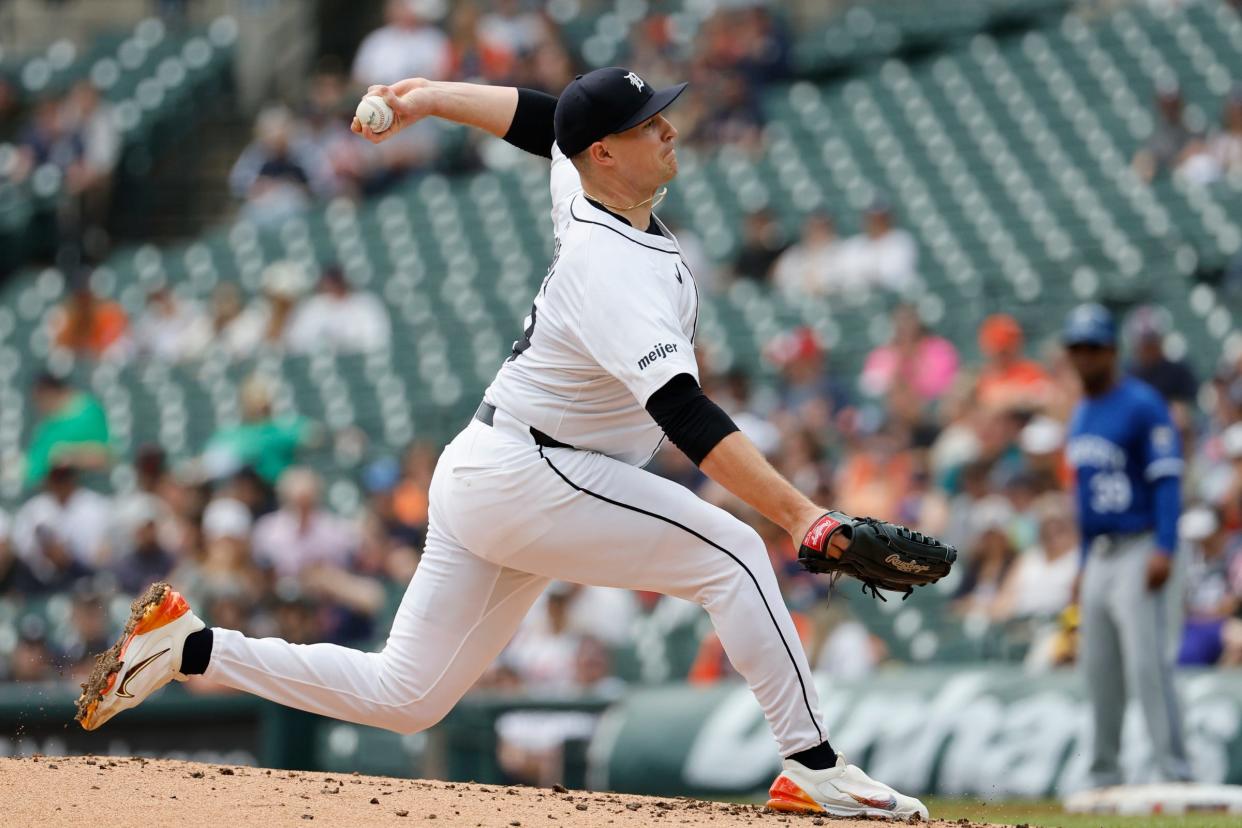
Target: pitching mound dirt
119	792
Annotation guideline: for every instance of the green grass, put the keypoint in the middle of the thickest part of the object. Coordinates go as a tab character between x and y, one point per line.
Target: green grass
1050	813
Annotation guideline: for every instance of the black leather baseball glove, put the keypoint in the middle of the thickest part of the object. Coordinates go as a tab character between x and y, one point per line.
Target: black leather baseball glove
880	554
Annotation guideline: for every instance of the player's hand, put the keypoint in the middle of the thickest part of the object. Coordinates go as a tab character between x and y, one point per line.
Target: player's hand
1159	567
837	544
409	101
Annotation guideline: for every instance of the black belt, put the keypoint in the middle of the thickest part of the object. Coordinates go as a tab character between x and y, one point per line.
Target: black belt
486	414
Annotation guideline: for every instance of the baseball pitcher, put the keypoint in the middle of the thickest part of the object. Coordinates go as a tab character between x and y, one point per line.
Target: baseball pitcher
546	481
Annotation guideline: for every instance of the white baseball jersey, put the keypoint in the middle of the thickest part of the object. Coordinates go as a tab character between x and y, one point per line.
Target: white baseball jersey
612	323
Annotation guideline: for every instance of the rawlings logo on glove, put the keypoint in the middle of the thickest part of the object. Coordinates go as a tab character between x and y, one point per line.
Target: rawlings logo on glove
880	554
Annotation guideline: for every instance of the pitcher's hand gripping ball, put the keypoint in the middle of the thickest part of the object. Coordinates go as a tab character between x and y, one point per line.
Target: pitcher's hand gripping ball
880	554
374	112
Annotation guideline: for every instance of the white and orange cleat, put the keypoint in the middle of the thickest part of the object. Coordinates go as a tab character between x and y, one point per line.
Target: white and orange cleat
843	790
147	656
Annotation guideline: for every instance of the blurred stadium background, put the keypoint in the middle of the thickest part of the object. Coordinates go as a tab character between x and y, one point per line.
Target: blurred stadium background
233	337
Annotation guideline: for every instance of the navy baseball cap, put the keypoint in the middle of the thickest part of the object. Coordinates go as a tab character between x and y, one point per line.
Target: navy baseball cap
1089	324
604	102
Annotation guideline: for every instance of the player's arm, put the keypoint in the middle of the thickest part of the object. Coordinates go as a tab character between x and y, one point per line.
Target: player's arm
523	117
710	438
1162	466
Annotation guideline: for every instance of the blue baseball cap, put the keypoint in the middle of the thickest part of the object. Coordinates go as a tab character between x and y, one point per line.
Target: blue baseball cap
1089	324
604	102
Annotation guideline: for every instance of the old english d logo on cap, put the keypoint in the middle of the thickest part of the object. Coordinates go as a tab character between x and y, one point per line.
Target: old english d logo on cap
635	80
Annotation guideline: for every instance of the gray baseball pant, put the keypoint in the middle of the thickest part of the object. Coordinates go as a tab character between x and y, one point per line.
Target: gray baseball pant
1129	638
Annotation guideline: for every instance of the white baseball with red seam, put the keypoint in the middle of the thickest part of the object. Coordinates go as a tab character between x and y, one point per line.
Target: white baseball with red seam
374	112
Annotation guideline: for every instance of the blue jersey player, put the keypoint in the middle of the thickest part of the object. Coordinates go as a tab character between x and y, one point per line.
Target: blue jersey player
1127	466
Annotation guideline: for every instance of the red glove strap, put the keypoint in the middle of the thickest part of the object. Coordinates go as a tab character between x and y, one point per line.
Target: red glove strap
819	533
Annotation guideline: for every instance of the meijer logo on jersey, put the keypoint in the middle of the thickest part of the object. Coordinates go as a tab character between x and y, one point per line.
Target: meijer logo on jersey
658	352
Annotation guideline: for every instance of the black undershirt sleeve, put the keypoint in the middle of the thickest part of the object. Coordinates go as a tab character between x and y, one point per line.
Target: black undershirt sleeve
532	127
692	422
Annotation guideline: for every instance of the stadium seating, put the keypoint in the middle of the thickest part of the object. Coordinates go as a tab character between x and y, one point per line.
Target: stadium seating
152	77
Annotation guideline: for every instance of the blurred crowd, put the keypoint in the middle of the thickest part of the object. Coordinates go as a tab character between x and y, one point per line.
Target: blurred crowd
293	312
969	452
1185	147
73	141
883	258
305	152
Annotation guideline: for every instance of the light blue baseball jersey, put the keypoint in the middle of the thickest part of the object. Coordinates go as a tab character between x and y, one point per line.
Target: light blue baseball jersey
1122	446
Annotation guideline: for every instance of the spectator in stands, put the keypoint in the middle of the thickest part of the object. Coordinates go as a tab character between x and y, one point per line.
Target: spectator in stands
550	68
762	244
88	181
410	498
1040	585
89	629
530	744
10	103
406	46
1166	146
262	442
339	317
271	175
809	267
16	578
67	514
989	560
230	328
808	391
848	650
1042	440
171	329
380	479
1211	598
155	489
47	139
1008	380
32	659
241	330
1222	481
1225	146
338	164
543	652
1146	329
295	615
141	558
301	534
914	357
222	569
732	116
88	325
73	430
877	473
767	47
884	257
512	27
472	56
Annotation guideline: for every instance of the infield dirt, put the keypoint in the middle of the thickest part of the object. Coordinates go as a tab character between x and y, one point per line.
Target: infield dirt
115	792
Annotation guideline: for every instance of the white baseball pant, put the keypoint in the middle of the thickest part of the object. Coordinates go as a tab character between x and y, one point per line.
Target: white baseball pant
507	516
